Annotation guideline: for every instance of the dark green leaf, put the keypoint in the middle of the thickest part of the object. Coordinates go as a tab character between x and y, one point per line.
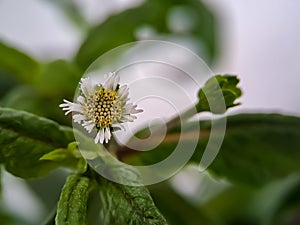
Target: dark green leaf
218	94
7	218
7	82
18	64
25	138
238	204
72	205
175	208
120	204
257	148
121	28
127	205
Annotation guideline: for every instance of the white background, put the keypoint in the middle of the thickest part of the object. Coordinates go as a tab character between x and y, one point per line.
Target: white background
259	42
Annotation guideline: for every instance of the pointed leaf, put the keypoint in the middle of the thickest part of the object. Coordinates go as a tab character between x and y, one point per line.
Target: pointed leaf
218	94
72	205
127	205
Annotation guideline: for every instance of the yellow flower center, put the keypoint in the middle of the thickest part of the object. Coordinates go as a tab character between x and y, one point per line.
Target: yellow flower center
103	107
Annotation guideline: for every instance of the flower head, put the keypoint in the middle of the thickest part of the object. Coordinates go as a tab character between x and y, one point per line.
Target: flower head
103	107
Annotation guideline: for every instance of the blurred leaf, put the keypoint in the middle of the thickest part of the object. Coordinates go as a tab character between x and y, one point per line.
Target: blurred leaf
72	11
127	205
58	79
257	148
28	99
51	219
232	206
48	188
288	211
7	82
17	63
215	90
0	181
72	205
7	218
25	138
175	208
25	98
244	205
121	28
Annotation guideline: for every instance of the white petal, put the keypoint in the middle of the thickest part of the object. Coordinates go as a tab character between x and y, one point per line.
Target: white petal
116	81
117	127
131	109
108	84
101	133
129	118
71	107
123	92
88	125
97	138
107	134
78	118
122	89
81	99
66	103
86	86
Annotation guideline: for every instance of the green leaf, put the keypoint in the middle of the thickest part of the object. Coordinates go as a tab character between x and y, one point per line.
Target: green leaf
24	140
69	157
122	28
72	205
127	205
288	210
218	94
17	63
120	204
58	79
257	148
7	82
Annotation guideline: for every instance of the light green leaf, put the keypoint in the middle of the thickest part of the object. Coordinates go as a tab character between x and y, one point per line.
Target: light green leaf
69	157
257	148
17	63
218	94
24	140
72	205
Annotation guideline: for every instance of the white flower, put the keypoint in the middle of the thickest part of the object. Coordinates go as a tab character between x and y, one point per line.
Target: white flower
103	107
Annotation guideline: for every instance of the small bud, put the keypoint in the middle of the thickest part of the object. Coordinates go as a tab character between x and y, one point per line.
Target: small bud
218	94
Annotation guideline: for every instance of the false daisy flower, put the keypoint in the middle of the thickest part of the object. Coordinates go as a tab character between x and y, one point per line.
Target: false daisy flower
104	107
